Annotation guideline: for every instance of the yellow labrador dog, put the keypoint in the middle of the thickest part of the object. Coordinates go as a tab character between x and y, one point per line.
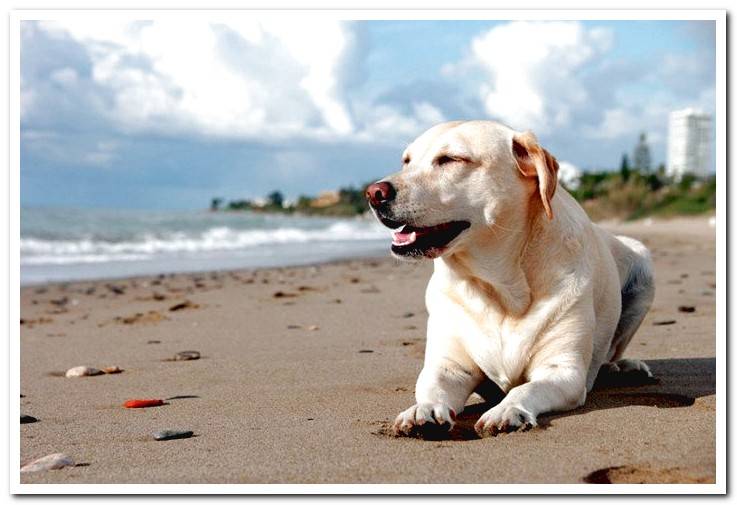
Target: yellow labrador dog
526	292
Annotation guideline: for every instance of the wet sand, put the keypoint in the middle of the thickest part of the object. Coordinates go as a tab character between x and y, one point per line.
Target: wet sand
303	369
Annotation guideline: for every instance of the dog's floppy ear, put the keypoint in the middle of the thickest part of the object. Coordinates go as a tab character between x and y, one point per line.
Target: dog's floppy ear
534	161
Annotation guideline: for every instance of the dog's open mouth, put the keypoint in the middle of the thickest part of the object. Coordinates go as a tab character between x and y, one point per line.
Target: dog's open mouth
425	241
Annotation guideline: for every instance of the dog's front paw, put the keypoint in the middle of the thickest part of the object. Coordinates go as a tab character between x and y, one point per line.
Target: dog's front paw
425	419
632	366
504	419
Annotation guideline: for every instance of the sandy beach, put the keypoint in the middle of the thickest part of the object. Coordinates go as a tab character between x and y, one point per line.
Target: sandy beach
303	369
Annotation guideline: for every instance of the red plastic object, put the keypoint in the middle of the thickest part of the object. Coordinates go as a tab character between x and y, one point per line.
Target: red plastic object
140	404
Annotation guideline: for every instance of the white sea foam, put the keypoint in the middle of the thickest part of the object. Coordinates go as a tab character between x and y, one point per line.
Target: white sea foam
36	251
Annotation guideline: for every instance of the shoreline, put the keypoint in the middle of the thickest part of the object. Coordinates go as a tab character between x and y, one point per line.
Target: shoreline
658	226
224	271
303	369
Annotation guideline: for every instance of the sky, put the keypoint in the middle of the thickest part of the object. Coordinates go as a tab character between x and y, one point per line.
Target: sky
167	114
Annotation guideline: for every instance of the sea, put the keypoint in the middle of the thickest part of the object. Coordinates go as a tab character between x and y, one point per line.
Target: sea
82	244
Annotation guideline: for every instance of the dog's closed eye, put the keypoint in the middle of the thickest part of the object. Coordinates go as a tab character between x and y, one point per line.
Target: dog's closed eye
446	159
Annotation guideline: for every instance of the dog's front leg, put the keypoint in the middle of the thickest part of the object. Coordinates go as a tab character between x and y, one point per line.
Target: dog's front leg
553	387
441	392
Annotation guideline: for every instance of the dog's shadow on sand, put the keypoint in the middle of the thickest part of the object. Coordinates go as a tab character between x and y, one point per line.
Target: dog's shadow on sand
676	383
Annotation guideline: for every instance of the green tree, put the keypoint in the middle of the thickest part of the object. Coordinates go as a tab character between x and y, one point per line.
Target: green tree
275	199
624	167
215	204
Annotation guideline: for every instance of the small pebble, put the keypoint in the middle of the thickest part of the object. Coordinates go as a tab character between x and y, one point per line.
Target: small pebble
365	350
313	327
118	290
293	326
172	434
25	419
408	314
140	404
686	308
112	369
50	462
154	342
186	355
82	371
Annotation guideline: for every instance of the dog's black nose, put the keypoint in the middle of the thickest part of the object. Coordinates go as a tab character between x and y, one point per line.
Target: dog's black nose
379	193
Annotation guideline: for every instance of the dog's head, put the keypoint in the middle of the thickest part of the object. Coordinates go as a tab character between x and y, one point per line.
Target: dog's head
458	181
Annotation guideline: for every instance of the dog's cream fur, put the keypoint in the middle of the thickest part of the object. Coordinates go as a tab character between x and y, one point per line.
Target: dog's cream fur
532	296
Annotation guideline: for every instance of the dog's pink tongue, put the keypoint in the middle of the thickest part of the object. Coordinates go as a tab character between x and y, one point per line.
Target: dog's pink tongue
403	237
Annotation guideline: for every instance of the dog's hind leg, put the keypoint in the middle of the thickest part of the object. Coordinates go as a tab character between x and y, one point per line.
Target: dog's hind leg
638	291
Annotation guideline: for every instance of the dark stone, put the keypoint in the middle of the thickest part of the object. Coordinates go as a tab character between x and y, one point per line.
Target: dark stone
25	419
186	355
686	308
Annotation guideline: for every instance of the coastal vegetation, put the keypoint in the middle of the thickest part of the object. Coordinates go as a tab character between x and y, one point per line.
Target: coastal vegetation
628	193
631	192
344	202
636	194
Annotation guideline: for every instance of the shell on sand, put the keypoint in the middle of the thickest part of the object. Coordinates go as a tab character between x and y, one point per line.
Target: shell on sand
50	462
82	371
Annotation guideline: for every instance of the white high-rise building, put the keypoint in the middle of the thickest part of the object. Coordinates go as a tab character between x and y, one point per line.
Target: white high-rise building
689	143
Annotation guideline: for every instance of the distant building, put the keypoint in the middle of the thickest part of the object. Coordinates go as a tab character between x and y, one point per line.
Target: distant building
689	143
325	199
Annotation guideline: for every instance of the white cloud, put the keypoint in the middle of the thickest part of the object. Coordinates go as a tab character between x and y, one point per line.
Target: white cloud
531	69
386	123
616	122
569	174
179	74
102	155
27	98
65	76
427	113
260	79
629	118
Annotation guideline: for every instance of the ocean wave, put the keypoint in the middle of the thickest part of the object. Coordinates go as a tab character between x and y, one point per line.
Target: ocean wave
36	251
